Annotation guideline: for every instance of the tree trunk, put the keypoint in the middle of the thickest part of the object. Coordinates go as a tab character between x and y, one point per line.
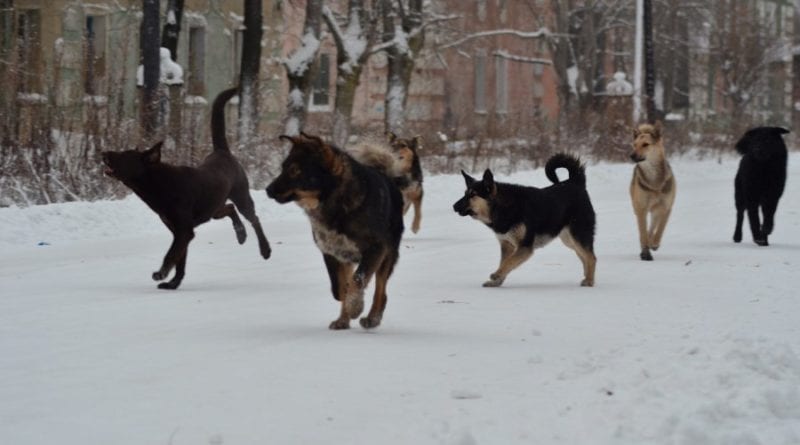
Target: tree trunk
172	27
150	60
348	70
796	70
298	69
248	78
649	65
401	59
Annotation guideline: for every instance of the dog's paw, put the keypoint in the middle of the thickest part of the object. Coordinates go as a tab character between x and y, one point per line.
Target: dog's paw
169	285
737	237
654	247
241	234
762	242
415	228
494	282
646	256
266	252
339	324
587	283
370	322
159	275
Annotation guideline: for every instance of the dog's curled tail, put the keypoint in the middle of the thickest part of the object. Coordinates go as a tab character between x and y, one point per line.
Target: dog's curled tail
577	172
375	155
218	137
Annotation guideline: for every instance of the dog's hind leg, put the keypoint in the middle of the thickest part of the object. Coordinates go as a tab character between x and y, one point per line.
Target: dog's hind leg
370	260
585	254
175	255
379	300
244	203
507	264
238	227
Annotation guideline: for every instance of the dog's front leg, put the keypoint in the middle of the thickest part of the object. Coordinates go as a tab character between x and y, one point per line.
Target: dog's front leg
343	290
180	270
180	244
508	264
506	250
370	260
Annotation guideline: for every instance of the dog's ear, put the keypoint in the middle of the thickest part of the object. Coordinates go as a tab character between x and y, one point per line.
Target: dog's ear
391	136
286	137
153	155
467	178
488	181
636	132
657	129
311	137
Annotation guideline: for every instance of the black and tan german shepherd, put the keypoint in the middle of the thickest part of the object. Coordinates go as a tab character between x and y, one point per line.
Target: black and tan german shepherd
760	180
399	160
356	216
185	197
527	218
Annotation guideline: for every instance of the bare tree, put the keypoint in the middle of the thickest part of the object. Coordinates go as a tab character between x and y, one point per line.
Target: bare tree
298	68
352	44
150	60
649	63
172	27
248	77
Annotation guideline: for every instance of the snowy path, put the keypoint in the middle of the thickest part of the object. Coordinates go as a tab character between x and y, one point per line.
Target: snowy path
701	346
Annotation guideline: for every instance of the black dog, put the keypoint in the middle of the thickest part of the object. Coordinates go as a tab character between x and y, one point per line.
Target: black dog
356	216
185	197
760	180
527	218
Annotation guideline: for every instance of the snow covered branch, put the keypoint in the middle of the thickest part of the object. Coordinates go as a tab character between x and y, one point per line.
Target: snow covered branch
541	33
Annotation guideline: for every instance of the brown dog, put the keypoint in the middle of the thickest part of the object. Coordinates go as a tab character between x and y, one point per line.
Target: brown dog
652	187
185	197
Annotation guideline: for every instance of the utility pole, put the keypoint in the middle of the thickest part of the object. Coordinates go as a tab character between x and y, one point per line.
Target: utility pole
649	62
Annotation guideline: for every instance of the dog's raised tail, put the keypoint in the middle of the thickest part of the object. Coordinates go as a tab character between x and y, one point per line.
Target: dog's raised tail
218	137
376	155
577	172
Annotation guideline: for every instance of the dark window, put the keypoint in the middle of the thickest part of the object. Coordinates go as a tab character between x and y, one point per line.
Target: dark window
480	83
6	26
95	35
197	61
321	94
29	50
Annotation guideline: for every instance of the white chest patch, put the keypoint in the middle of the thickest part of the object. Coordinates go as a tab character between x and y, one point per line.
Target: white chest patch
334	243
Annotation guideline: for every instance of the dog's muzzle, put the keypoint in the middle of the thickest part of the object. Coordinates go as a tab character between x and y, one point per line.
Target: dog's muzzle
462	208
636	158
280	197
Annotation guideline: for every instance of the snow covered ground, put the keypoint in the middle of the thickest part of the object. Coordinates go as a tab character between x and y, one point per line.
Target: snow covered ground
701	346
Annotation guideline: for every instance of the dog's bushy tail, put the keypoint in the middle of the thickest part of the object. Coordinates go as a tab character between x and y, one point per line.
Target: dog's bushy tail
375	155
218	137
762	142
577	172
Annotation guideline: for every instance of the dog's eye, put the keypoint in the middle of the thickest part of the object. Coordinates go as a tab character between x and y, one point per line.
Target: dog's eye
294	171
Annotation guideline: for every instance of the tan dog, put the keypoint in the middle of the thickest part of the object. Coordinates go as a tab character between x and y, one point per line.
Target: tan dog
652	187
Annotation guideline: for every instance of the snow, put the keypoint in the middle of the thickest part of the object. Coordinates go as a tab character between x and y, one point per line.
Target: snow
619	86
699	346
303	56
171	19
170	73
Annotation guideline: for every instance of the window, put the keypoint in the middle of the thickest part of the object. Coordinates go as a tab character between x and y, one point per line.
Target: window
6	26
320	94
480	83
481	10
28	49
501	84
197	61
95	53
237	55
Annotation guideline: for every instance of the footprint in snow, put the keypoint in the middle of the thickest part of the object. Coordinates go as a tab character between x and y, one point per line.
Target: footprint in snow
460	394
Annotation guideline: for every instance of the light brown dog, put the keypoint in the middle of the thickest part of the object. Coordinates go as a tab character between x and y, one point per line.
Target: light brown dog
652	187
